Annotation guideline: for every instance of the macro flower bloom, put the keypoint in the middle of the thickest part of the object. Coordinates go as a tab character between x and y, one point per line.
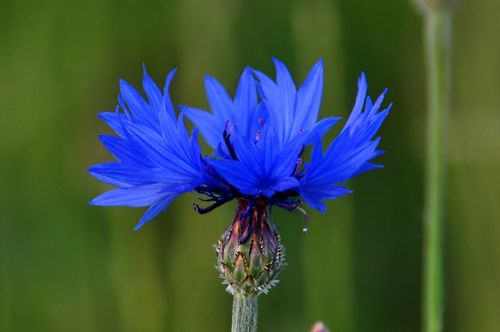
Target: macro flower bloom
258	140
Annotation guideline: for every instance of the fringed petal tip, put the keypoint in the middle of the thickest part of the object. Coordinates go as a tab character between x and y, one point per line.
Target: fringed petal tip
258	137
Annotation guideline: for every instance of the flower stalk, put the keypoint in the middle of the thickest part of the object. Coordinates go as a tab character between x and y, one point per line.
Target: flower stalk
245	309
437	43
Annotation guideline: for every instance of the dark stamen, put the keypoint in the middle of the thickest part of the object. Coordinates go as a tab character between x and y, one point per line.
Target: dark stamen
203	210
289	205
229	146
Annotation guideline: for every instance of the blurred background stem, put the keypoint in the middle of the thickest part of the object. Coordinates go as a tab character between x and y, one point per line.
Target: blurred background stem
437	43
244	313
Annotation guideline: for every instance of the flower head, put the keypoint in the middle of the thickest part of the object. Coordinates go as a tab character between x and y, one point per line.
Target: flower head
258	140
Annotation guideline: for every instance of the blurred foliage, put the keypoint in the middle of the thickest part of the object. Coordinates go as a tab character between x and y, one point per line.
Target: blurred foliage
67	266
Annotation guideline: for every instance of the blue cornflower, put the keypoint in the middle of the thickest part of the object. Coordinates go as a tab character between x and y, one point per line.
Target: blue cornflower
258	140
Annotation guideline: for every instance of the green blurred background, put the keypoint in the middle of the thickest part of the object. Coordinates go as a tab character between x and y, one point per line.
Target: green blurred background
67	266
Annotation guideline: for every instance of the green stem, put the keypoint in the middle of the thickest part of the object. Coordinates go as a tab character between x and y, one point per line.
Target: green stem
437	42
244	313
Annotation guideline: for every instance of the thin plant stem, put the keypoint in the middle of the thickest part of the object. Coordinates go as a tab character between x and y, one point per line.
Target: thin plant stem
245	310
437	43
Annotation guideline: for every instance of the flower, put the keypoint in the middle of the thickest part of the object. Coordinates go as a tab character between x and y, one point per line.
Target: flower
319	327
258	140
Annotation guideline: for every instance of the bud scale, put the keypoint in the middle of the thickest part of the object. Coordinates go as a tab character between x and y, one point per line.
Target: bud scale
249	253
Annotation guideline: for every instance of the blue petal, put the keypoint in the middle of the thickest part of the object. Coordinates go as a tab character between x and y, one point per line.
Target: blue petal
248	154
242	114
166	100
264	169
113	121
348	155
315	198
122	150
210	127
284	184
218	99
273	103
367	167
154	210
156	157
309	98
245	102
111	181
285	161
360	100
320	128
133	197
122	173
152	91
293	112
136	104
236	172
287	95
